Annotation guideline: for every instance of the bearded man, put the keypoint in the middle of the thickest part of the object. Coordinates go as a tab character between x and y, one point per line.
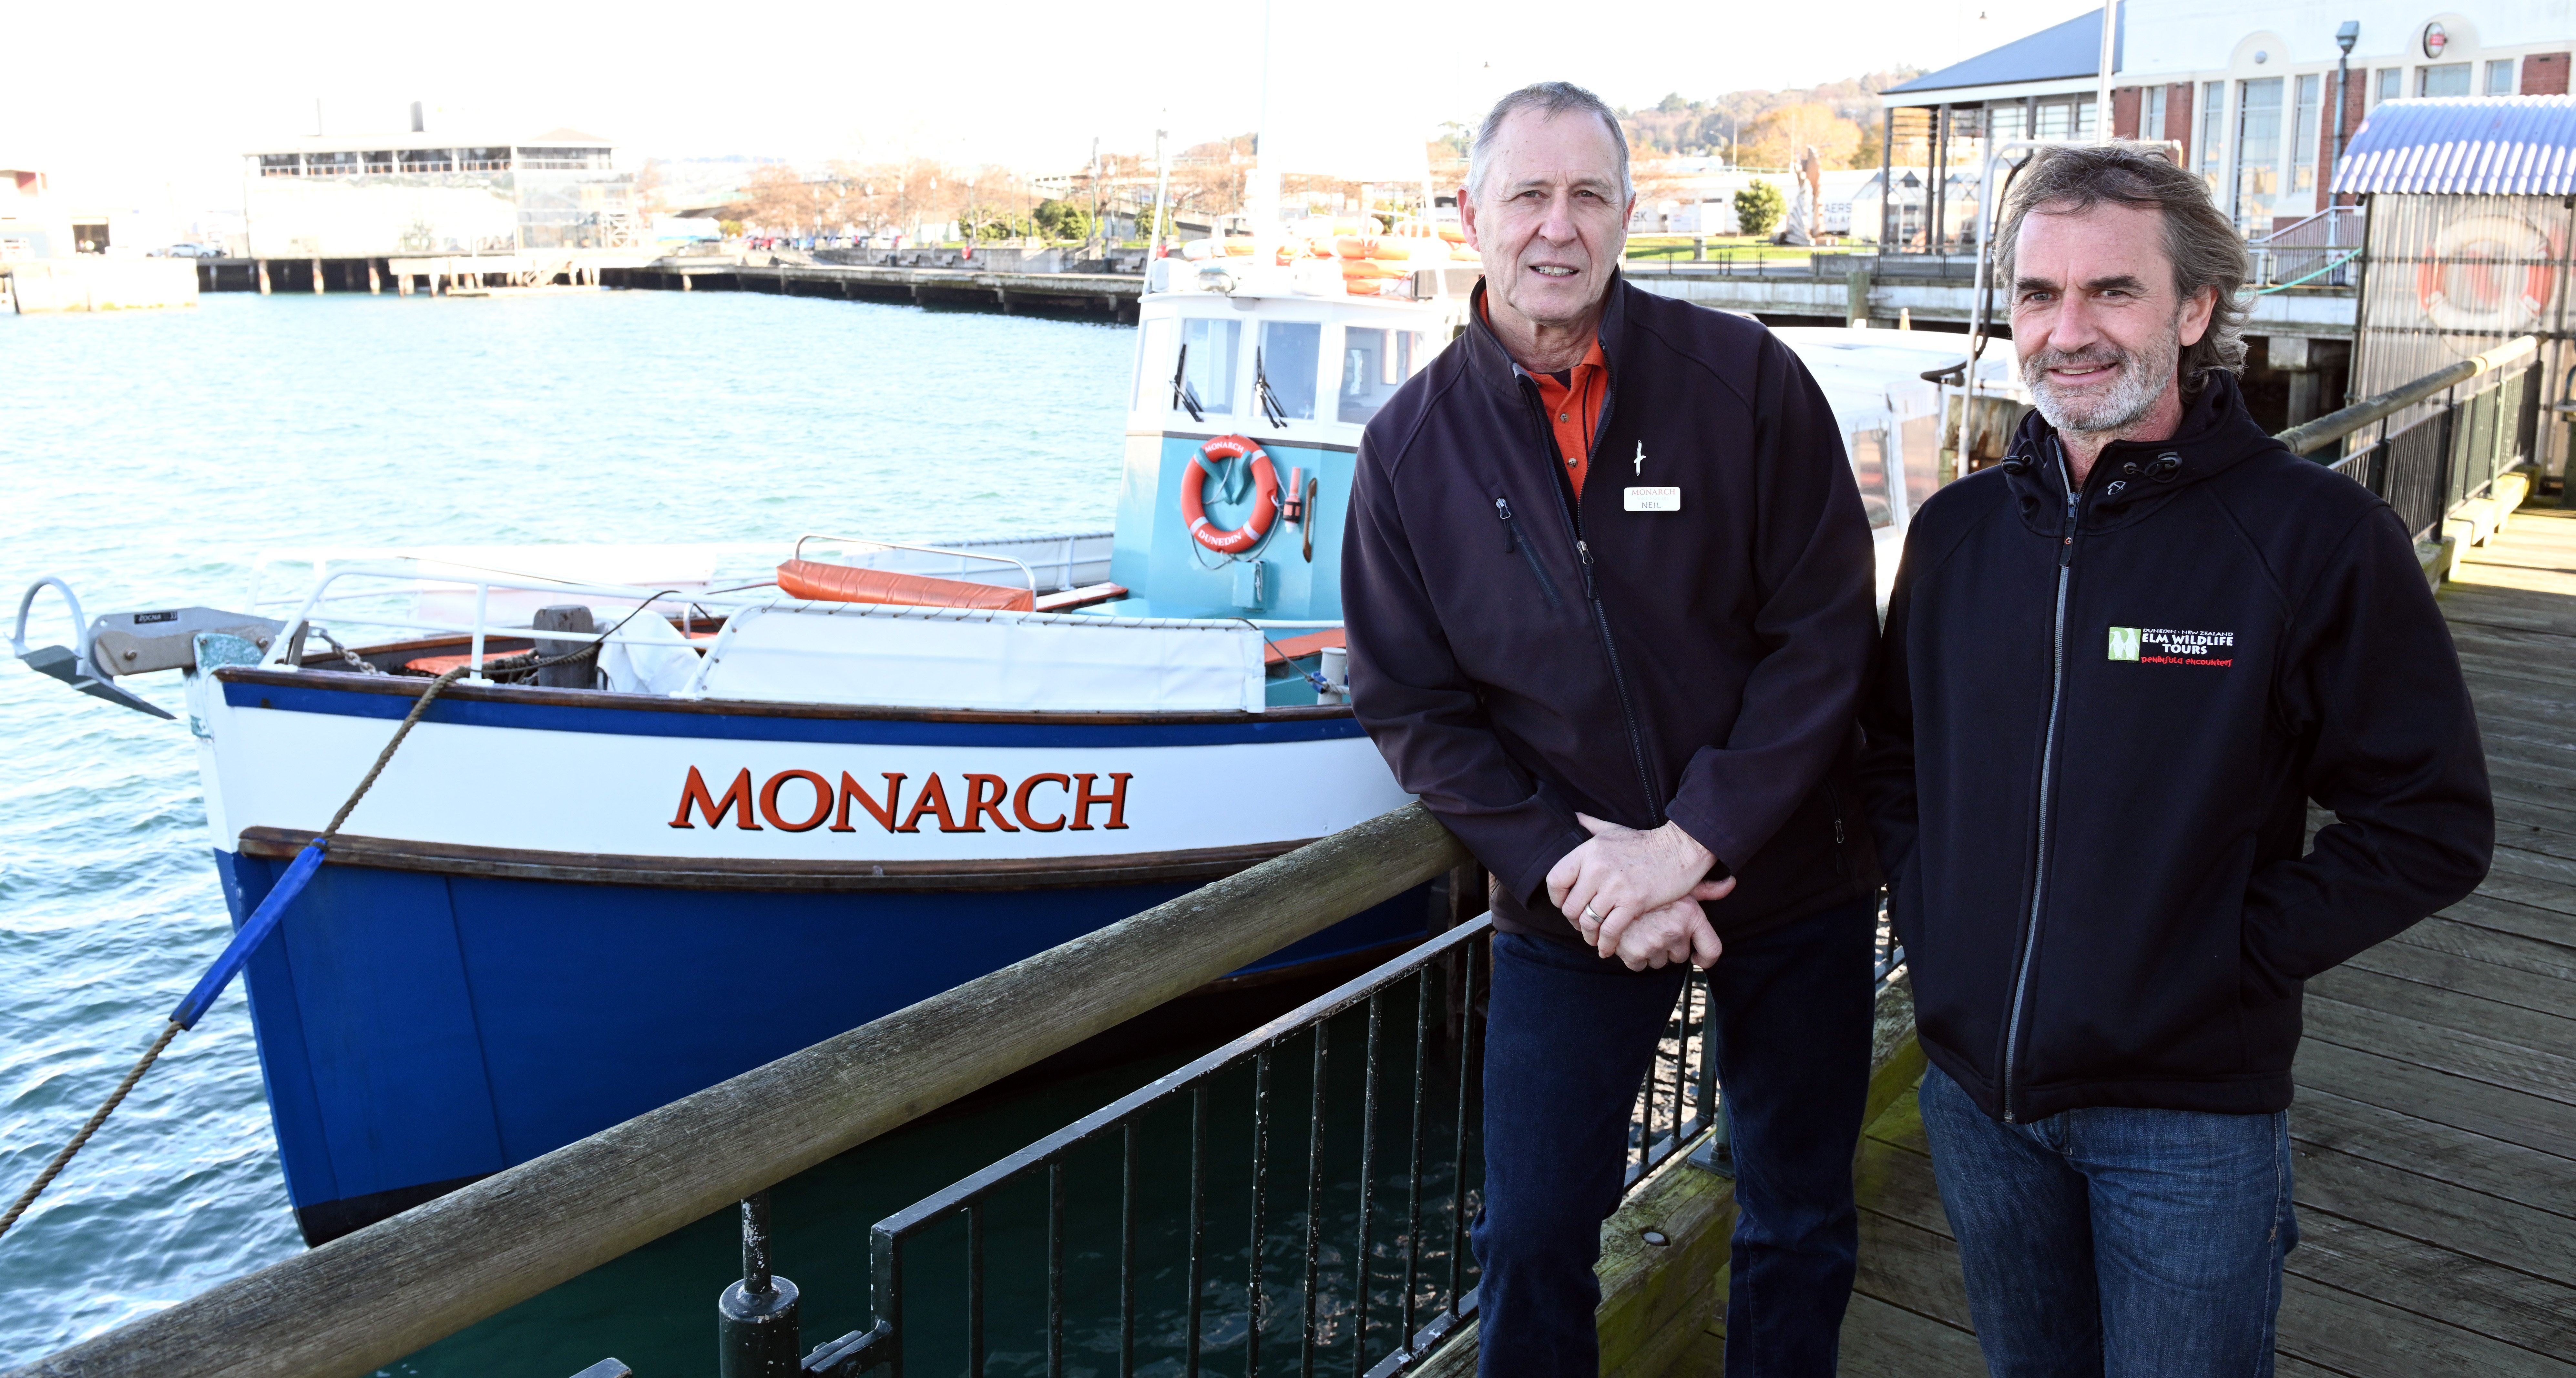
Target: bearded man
2116	669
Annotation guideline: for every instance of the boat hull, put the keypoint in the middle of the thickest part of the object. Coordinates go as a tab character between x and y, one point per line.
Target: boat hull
438	1005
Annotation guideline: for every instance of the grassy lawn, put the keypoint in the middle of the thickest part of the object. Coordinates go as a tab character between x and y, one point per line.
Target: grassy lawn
1740	247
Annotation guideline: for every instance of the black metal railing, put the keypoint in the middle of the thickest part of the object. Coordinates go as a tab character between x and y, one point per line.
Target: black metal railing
1192	1258
2469	423
1192	1221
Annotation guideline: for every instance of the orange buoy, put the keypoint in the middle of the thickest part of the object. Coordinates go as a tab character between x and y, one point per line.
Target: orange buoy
1265	496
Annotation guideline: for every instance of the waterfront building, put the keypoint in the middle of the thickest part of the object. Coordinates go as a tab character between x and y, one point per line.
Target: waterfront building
33	224
2247	95
415	194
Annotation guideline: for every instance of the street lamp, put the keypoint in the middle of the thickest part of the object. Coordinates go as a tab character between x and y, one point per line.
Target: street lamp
2345	37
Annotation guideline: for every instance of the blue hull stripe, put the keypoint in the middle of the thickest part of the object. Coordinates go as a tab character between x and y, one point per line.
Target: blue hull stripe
417	1029
761	727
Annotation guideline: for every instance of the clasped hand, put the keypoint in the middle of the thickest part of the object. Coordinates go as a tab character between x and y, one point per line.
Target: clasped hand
1636	895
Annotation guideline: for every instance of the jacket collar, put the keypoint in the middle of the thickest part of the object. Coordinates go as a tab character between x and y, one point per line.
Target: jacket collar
2133	477
1494	364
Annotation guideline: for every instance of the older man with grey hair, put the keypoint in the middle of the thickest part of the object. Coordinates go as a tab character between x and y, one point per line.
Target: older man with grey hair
1608	587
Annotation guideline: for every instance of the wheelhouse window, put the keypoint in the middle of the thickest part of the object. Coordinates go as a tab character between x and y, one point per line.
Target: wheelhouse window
1375	363
1208	347
1290	354
1154	366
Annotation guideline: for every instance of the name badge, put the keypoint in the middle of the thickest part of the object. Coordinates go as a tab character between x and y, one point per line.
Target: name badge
1654	499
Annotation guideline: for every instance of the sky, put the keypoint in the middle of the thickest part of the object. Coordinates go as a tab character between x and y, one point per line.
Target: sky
146	103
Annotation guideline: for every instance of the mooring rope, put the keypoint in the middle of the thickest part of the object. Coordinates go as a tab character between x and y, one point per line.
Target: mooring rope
264	919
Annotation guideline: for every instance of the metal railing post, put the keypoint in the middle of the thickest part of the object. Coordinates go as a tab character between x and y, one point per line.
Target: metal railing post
756	1333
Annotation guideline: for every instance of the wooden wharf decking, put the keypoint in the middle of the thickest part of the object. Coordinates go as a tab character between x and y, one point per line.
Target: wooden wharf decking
2435	1126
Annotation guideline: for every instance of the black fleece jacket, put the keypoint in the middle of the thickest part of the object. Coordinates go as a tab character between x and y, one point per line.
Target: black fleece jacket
1518	655
2091	745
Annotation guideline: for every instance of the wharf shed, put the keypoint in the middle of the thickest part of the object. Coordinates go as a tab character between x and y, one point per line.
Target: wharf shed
2470	205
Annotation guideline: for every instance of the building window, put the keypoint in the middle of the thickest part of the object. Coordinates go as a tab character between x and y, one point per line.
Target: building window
2303	135
330	164
2258	150
2390	85
281	165
2442	79
2151	114
2007	121
2065	117
2213	136
2500	77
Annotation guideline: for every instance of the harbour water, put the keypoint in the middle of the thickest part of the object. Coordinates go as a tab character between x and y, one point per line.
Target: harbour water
148	457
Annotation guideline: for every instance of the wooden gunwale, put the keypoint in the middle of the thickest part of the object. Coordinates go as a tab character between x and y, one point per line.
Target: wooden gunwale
748	873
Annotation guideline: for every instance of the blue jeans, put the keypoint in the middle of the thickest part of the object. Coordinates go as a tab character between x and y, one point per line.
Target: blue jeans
1568	1040
2114	1242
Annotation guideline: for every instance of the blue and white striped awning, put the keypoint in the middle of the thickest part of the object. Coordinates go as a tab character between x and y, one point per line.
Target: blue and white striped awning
2465	146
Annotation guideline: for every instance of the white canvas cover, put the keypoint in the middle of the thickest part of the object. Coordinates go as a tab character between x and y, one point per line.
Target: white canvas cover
1004	661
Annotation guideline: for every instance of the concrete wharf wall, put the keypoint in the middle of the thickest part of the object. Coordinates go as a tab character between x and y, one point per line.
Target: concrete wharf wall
91	282
1111	295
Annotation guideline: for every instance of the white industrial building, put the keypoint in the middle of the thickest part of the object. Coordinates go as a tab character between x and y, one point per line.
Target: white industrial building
409	195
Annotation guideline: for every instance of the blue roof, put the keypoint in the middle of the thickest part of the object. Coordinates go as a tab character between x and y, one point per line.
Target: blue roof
2465	145
2071	49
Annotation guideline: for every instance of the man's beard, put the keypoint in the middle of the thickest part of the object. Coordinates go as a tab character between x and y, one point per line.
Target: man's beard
2143	379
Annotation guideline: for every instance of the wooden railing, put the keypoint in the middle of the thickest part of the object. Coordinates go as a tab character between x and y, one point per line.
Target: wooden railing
366	1299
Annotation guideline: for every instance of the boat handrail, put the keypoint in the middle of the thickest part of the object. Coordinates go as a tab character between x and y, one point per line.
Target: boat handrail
480	628
1025	572
291	635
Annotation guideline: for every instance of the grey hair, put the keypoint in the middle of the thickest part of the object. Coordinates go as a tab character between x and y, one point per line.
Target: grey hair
1548	99
2200	241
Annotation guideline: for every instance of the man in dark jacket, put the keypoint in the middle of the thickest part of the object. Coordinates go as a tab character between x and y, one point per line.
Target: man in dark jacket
2116	669
1609	591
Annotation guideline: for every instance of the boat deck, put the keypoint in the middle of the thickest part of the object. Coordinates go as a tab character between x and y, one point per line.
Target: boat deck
2436	1116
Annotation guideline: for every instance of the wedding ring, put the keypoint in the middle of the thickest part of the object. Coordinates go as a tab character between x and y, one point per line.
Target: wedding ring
1590	917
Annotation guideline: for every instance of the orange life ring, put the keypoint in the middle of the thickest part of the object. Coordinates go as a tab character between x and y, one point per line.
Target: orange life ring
2466	283
1265	496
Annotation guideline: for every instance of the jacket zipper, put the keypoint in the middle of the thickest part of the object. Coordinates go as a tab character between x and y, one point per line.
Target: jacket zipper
2047	782
1600	619
1528	553
1834	800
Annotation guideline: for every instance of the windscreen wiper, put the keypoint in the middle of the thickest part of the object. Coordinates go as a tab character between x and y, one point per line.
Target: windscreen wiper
1184	397
1263	398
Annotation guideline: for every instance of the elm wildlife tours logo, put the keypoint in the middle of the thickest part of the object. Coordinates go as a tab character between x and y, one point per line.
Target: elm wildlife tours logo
2173	647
